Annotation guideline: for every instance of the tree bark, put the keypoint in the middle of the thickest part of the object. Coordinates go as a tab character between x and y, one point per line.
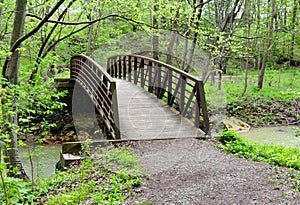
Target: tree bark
267	49
173	35
195	37
12	74
248	23
155	39
91	17
1	1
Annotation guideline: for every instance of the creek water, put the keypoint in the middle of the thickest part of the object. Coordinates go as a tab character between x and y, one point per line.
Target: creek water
44	160
282	135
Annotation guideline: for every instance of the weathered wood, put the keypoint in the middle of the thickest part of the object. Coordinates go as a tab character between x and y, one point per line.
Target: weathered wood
164	78
143	117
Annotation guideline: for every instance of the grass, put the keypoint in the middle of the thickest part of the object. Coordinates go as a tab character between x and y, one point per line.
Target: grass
105	176
269	153
280	84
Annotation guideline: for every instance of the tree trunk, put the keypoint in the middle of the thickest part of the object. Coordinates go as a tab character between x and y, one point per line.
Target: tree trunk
1	1
266	52
257	42
293	31
195	37
90	17
12	74
248	23
155	39
173	35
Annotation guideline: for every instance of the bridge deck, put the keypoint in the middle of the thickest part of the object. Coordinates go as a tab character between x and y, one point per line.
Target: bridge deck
142	116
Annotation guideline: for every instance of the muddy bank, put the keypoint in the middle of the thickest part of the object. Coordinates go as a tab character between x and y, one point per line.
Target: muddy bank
259	112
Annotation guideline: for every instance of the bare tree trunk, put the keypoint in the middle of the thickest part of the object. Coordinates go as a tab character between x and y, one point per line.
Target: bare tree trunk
155	39
12	74
173	35
90	30
195	37
266	53
258	43
1	1
293	30
248	22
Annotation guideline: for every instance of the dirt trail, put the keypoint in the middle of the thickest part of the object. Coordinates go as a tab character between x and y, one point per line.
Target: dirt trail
191	171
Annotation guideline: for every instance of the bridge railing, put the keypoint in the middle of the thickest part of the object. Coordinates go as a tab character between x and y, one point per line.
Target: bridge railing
101	87
177	88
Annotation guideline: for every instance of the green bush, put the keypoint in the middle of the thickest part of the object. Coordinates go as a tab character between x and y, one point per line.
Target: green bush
269	153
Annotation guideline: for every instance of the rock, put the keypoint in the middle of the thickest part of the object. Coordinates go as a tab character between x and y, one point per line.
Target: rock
236	125
82	135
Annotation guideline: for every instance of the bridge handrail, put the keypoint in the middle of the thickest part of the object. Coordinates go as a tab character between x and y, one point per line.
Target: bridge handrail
101	87
165	79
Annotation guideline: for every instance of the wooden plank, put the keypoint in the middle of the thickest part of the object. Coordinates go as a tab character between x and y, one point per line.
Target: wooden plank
142	116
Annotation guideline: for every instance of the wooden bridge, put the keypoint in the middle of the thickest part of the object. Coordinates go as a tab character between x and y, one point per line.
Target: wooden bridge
142	98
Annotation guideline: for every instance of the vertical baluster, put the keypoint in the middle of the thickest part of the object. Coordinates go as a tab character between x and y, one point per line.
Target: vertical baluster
135	77
142	67
124	67
120	67
170	84
115	67
150	83
158	90
129	68
182	94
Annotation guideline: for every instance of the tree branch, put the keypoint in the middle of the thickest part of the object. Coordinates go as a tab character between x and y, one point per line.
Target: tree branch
92	22
30	33
202	4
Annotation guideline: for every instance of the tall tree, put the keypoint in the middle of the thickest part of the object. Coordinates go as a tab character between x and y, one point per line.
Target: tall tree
1	3
10	72
268	46
12	75
293	23
155	39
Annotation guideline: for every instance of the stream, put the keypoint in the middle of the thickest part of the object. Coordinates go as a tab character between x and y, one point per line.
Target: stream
281	135
44	160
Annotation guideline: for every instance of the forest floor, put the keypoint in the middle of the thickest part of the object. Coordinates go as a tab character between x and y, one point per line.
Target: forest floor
192	171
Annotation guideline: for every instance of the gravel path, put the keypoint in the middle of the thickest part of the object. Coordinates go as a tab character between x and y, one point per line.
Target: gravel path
192	171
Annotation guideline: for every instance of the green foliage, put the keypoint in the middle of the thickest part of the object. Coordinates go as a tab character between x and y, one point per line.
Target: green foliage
30	103
103	177
17	191
269	153
297	132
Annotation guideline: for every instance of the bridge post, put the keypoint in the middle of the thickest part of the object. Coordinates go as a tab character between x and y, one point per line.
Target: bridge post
201	101
115	110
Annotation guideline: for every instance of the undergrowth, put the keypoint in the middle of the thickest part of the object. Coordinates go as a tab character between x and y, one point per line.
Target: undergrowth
104	176
269	153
